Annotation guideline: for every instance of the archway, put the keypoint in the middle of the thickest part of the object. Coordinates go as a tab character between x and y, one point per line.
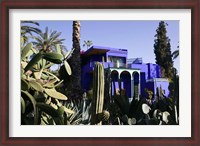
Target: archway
125	81
114	82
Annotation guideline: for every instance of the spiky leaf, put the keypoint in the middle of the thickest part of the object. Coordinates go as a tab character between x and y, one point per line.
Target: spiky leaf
68	111
47	120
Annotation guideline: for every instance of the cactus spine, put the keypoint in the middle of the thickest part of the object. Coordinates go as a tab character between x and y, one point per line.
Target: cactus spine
98	93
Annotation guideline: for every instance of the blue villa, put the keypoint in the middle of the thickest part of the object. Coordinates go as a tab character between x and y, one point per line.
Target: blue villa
135	76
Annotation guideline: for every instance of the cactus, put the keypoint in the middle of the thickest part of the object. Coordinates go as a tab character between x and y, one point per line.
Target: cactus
23	106
53	57
104	116
98	93
132	121
57	115
145	108
67	67
24	85
128	121
108	83
40	100
33	61
25	50
33	102
36	86
48	109
61	110
53	93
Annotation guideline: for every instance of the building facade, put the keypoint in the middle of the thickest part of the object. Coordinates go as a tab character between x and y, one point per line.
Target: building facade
130	75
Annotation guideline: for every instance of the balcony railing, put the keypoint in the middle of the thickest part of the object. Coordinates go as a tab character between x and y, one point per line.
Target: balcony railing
120	65
111	64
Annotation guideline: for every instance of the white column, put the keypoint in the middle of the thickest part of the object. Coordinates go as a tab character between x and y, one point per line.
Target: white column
132	86
139	92
119	83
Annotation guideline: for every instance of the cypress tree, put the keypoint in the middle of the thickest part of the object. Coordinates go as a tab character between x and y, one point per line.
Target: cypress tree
162	50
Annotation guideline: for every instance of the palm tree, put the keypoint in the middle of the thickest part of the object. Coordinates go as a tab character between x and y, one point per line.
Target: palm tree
27	29
75	61
87	43
48	40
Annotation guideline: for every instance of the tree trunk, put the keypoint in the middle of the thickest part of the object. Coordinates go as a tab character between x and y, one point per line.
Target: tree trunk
75	62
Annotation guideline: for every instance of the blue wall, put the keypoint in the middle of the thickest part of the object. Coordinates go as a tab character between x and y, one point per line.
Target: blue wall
153	71
148	72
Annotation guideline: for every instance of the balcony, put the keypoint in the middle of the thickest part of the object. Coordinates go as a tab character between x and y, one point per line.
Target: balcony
109	64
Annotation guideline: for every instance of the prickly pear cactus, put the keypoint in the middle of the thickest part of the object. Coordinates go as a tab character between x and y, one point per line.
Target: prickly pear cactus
98	93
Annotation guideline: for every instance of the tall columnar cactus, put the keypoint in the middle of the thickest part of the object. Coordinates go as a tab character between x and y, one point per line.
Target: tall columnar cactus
98	93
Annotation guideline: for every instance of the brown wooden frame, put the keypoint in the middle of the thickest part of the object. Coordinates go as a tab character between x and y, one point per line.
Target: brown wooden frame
101	4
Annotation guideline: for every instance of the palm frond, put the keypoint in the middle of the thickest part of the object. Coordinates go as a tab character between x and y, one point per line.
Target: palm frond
46	34
30	29
32	22
48	39
52	34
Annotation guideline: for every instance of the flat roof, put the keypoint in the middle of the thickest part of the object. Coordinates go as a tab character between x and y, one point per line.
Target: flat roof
94	50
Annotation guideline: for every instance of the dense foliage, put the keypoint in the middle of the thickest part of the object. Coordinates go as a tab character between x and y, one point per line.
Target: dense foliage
162	50
55	97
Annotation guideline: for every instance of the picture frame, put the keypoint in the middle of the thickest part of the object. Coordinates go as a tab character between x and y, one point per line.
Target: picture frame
7	5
